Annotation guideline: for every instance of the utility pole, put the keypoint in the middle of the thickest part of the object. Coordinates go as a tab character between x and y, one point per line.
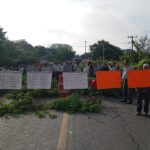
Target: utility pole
103	52
85	48
132	41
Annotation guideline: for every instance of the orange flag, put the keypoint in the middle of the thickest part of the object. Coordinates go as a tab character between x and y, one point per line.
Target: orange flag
138	78
108	79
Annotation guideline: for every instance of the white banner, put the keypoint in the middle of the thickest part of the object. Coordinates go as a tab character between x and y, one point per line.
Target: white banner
75	80
39	80
11	80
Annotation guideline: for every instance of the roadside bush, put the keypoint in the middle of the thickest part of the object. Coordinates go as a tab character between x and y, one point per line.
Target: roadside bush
34	93
44	93
3	92
23	103
40	114
85	106
95	108
59	104
74	104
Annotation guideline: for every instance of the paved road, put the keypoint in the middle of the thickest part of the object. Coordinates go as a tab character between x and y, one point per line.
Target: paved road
115	128
29	133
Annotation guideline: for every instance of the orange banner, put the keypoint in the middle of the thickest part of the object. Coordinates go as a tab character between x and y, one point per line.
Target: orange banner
139	78
108	79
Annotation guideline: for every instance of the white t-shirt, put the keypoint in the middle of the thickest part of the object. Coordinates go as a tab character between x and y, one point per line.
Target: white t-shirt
125	71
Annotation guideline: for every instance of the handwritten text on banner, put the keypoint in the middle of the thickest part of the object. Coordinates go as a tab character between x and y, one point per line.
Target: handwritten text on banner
75	80
39	80
10	80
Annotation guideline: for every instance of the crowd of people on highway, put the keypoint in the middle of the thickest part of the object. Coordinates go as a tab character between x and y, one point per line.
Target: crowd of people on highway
142	93
90	68
127	93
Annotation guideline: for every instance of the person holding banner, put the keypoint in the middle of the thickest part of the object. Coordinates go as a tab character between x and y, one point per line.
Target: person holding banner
127	93
91	69
143	94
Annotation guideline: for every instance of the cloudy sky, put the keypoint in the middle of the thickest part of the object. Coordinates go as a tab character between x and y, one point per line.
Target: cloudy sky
43	22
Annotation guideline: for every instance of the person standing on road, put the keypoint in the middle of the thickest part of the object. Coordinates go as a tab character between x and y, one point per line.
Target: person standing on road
143	94
127	93
91	69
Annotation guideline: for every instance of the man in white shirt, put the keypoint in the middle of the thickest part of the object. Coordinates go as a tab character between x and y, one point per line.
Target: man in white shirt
127	93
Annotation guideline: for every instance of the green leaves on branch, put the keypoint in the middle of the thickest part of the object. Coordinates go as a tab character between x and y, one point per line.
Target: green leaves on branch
75	103
22	102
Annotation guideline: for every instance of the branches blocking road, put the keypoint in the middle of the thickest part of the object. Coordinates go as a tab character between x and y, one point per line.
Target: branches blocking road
108	79
139	79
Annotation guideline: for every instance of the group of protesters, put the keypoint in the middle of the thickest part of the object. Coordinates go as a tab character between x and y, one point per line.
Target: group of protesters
142	93
90	68
127	93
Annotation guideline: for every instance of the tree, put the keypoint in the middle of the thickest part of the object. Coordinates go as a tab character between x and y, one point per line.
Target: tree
105	49
24	45
62	52
2	34
9	53
2	38
133	56
21	52
87	56
143	44
42	53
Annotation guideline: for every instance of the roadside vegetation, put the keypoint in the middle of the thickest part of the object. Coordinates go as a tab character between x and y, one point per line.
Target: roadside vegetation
23	102
21	53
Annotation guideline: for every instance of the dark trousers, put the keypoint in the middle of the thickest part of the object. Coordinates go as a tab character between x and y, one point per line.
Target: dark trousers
127	93
140	97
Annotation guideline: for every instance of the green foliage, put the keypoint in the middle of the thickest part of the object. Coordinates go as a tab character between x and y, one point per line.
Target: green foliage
133	56
40	93
62	52
74	104
103	47
34	93
143	44
94	108
6	108
143	61
43	113
40	114
2	34
20	52
59	104
52	115
22	103
85	106
137	58
70	104
3	92
91	105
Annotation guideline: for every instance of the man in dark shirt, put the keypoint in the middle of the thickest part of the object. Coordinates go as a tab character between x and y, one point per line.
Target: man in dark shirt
143	94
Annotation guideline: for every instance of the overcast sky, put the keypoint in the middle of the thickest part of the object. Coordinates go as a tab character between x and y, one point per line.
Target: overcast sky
43	22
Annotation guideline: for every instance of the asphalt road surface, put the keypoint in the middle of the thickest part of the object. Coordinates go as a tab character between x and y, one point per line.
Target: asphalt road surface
115	128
